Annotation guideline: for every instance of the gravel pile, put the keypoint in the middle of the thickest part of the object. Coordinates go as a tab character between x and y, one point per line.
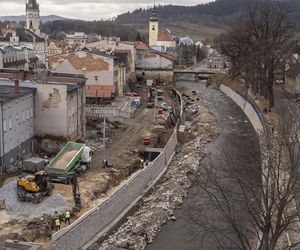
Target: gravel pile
27	210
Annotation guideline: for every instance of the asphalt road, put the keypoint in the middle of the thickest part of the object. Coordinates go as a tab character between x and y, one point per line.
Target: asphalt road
236	135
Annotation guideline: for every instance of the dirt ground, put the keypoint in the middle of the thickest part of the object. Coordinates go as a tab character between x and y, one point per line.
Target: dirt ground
98	183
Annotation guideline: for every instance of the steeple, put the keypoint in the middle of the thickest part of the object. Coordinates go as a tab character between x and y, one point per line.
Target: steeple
153	28
154	15
32	5
33	16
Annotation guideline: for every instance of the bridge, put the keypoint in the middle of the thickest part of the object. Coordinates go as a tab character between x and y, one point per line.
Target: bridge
199	74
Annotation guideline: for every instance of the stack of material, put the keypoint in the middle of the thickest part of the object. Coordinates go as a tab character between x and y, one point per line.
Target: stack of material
64	160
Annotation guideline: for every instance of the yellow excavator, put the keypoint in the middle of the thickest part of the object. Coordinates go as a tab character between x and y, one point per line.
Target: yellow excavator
34	188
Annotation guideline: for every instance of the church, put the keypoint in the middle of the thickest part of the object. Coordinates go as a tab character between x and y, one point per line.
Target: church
29	36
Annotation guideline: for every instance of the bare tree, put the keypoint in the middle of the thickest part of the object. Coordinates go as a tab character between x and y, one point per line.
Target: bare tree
248	200
259	47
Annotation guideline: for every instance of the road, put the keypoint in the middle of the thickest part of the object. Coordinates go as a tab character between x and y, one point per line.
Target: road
236	135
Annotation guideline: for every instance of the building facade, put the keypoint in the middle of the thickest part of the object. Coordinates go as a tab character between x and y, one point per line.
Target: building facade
17	129
76	38
17	58
99	68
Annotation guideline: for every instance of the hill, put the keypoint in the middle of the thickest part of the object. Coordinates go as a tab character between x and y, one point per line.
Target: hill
216	14
44	19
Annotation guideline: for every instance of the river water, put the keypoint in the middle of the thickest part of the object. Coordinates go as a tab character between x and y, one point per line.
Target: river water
234	129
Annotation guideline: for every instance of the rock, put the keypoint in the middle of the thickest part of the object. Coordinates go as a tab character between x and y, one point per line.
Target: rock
173	218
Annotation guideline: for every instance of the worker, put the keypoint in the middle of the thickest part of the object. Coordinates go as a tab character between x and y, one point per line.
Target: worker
142	163
68	217
57	224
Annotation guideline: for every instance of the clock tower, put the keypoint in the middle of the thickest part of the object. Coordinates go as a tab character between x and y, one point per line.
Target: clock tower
153	28
33	16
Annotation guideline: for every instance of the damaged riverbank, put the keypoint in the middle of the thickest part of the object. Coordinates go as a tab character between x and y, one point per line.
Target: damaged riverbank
158	207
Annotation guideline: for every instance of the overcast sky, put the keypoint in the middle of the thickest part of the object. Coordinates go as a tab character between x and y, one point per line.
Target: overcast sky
87	10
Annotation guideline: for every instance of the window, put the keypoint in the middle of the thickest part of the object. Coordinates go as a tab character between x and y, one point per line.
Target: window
10	123
31	112
27	114
5	147
4	125
50	95
23	116
96	78
17	117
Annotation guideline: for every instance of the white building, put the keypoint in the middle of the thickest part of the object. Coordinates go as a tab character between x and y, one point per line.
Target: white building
76	38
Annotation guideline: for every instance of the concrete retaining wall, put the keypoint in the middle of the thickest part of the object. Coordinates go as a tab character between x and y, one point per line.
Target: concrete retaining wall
96	222
249	109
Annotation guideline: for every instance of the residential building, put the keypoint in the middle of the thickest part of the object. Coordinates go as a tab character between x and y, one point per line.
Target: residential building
55	47
100	69
153	28
76	38
151	64
292	80
17	58
166	40
59	104
17	118
114	44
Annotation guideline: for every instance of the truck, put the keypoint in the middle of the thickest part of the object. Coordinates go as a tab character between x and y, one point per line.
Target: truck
73	158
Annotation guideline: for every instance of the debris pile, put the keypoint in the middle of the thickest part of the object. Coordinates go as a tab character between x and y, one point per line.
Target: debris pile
158	208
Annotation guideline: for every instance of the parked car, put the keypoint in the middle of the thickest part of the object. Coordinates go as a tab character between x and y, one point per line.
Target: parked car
150	105
135	94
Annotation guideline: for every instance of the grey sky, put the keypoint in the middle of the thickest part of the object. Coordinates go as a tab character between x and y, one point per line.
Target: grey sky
87	10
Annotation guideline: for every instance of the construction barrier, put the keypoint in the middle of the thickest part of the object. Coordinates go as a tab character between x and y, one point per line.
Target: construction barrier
98	221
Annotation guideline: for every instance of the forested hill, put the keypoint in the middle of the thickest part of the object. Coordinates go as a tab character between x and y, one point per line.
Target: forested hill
218	13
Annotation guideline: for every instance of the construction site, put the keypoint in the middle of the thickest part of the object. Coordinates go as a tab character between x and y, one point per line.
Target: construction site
111	153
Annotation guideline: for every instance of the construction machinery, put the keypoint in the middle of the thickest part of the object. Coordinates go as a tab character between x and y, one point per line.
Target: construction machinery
66	166
34	188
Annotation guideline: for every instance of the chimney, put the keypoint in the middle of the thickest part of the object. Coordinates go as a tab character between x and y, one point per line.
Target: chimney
17	85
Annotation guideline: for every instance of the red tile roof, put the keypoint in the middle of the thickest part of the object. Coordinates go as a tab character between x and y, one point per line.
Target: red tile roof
100	91
166	37
141	45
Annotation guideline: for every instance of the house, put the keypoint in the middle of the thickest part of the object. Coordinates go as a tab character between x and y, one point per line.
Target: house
17	58
292	80
166	40
154	65
216	61
59	103
99	68
76	38
55	47
112	44
17	116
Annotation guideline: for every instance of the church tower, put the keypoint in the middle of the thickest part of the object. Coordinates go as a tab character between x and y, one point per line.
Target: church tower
33	16
153	28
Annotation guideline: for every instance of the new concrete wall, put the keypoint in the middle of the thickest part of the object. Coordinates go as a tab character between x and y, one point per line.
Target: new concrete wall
249	109
96	222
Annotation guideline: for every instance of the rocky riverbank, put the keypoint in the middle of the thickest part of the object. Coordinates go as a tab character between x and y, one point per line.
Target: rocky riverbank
158	207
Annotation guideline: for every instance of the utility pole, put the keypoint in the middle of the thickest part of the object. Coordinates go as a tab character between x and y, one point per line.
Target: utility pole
104	125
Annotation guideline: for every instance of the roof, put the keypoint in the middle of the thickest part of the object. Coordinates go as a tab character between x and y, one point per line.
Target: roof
24	35
187	41
141	45
99	53
166	36
293	71
8	93
100	91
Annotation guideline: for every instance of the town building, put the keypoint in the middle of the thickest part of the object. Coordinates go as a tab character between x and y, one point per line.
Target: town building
33	17
59	104
55	47
17	131
151	64
100	69
166	40
114	44
216	61
17	57
76	38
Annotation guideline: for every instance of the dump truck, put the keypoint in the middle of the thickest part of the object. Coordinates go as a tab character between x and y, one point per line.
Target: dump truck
73	158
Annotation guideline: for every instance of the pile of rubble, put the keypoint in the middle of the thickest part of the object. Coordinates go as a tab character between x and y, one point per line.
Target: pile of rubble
158	208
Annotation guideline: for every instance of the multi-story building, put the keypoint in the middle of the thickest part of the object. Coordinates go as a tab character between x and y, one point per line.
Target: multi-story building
76	38
17	116
17	57
59	103
55	47
100	69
